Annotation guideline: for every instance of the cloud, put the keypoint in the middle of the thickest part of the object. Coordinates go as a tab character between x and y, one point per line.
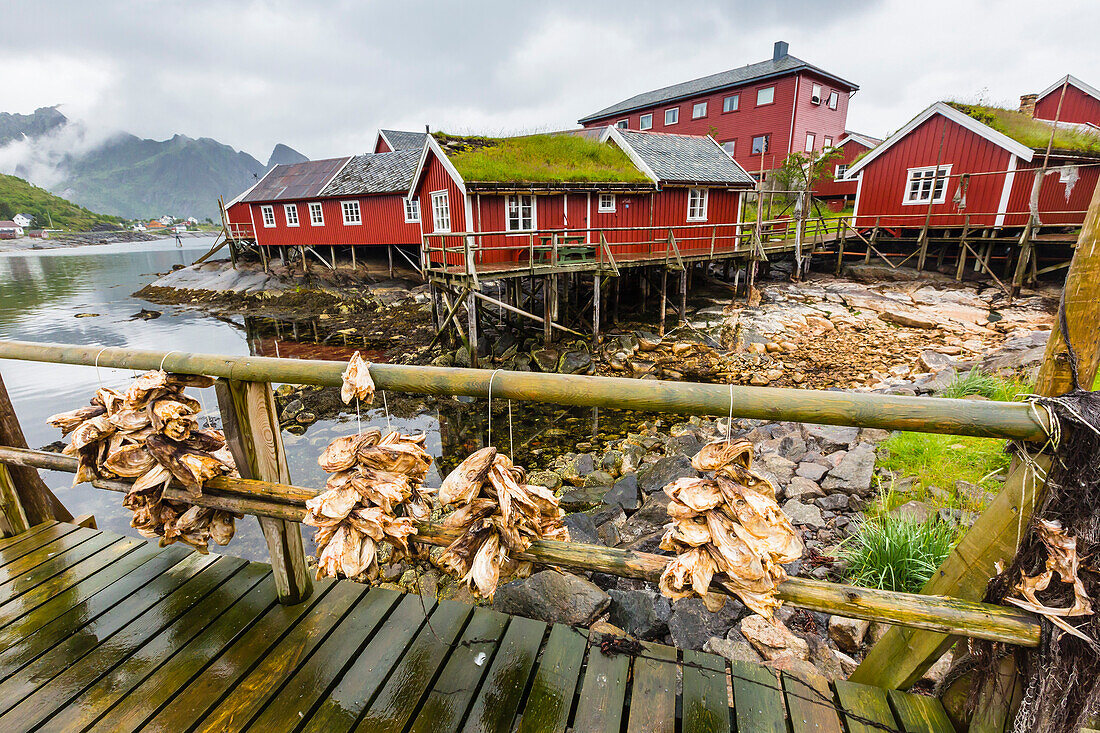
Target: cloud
322	77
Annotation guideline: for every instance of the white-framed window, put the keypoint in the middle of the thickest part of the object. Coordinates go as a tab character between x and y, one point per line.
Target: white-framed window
622	124
834	99
730	146
607	203
810	140
520	212
840	171
672	116
316	214
826	142
441	211
927	185
765	96
699	109
352	216
645	122
412	210
291	213
268	214
760	144
697	204
815	94
731	103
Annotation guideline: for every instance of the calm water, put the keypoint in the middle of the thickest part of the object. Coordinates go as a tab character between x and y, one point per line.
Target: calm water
84	296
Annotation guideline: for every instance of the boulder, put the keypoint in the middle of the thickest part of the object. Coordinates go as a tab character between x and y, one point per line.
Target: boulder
773	639
664	471
803	489
1018	352
811	471
625	493
692	625
848	633
853	473
912	319
599	478
935	383
933	361
546	359
796	667
585	497
462	357
549	479
651	517
822	657
832	502
641	613
735	651
780	467
553	597
803	514
581	528
612	462
832	437
576	469
574	362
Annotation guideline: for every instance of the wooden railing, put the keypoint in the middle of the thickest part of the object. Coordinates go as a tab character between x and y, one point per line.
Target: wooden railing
265	489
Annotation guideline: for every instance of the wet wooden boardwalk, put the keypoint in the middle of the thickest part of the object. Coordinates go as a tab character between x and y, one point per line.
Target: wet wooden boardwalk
109	633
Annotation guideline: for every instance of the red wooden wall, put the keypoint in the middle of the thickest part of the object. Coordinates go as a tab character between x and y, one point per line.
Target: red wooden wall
383	217
1059	202
435	177
1077	106
818	118
839	189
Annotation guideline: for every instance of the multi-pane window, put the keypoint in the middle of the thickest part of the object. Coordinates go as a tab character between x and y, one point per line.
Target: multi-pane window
316	215
729	146
815	94
622	124
291	212
607	203
927	185
699	109
731	103
834	100
672	116
645	122
351	212
268	213
840	171
441	211
412	210
521	213
810	139
760	144
826	143
697	204
765	96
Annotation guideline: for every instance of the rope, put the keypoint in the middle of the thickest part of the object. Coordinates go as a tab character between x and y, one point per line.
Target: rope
729	423
97	374
386	405
492	376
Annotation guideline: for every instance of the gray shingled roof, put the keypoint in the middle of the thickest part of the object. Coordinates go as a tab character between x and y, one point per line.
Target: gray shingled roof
734	77
685	158
375	173
404	140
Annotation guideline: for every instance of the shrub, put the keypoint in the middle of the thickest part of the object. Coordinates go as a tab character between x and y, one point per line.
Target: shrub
897	554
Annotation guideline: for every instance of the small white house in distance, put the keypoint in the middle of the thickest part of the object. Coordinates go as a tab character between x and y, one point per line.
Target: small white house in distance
192	221
139	227
10	230
179	228
23	220
166	220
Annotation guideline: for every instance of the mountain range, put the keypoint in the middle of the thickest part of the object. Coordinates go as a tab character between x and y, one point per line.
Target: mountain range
128	176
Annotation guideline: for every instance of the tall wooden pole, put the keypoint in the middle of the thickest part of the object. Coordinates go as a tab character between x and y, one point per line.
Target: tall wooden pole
27	500
903	655
253	435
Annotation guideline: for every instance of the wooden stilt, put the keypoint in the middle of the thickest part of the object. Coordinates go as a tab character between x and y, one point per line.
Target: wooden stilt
843	239
354	264
597	288
25	498
389	256
684	294
332	254
664	300
962	250
547	310
253	435
263	258
472	313
615	304
1023	259
922	257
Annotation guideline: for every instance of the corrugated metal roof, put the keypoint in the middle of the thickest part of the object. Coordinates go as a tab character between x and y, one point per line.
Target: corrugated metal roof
295	181
685	158
375	173
404	140
734	77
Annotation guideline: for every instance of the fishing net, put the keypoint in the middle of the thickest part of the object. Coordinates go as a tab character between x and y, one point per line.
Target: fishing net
728	526
150	433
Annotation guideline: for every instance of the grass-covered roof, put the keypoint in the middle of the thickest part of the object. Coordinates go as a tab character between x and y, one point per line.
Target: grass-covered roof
1031	132
555	158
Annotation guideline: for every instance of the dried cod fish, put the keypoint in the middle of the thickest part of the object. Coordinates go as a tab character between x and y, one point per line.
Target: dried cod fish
357	381
728	525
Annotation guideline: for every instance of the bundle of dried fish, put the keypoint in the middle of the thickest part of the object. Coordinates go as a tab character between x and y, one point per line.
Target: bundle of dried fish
150	433
1062	559
728	524
375	494
356	382
500	514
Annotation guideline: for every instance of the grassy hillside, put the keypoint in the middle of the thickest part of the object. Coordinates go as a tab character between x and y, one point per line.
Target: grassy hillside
19	197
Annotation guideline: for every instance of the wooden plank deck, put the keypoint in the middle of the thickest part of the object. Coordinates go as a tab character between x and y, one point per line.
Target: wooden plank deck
104	632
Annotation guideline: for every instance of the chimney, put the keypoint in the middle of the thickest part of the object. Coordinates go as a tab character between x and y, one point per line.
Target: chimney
779	51
1027	104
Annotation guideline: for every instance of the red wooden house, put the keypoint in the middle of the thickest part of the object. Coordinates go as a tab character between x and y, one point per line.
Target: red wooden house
836	188
516	189
957	161
760	113
1081	103
357	200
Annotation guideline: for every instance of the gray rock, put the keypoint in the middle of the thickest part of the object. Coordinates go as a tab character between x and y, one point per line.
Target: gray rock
585	497
574	362
686	444
780	467
581	528
553	597
803	489
608	534
549	479
848	633
692	625
609	513
832	437
833	502
914	510
735	651
853	474
292	408
625	493
810	470
576	469
612	462
822	657
650	517
546	359
462	357
1018	352
933	361
599	478
664	471
805	514
641	613
773	640
935	383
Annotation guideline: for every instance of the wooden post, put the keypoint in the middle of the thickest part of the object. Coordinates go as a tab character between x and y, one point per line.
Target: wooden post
962	250
597	286
903	655
263	258
547	309
684	294
26	499
1024	257
922	255
253	435
472	309
840	246
664	299
354	264
389	255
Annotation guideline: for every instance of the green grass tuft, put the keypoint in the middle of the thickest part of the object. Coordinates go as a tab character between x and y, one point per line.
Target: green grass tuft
979	383
1032	133
539	159
896	554
941	460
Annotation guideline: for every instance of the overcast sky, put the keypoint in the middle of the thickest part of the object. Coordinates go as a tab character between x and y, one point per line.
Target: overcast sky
323	76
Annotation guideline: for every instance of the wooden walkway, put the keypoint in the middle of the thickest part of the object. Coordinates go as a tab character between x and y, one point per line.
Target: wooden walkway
109	633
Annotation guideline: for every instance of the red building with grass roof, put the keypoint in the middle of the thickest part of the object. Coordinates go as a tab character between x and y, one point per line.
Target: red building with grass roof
954	161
